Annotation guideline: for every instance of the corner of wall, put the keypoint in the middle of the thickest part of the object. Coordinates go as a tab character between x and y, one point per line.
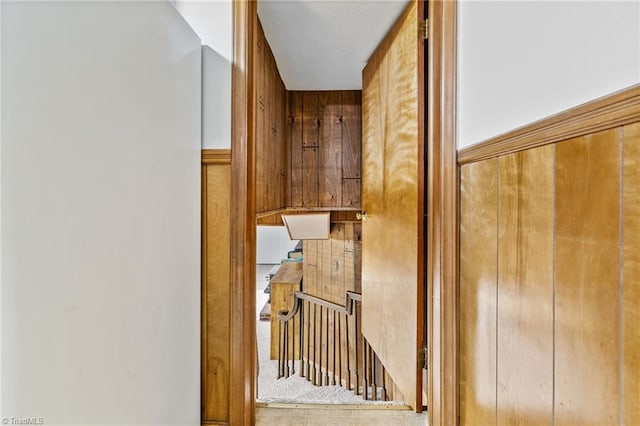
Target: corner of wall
1	334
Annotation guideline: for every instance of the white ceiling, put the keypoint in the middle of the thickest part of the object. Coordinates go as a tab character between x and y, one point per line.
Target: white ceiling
324	44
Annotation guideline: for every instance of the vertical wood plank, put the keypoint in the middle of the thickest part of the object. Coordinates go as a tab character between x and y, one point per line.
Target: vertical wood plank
631	277
478	293
216	292
587	271
337	293
351	193
271	140
525	287
357	254
296	168
351	134
325	277
310	177
310	119
261	120
349	258
330	153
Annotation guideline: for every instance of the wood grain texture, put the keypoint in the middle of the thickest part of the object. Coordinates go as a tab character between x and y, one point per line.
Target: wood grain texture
243	215
351	192
390	198
442	213
310	119
330	143
271	130
328	121
216	156
351	134
283	284
216	189
587	270
478	292
310	176
330	265
608	112
631	277
295	148
525	287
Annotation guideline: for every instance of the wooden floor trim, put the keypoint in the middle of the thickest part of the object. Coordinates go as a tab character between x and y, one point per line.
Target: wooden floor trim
607	112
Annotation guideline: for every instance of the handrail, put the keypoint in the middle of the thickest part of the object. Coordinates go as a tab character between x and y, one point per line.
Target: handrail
351	297
329	345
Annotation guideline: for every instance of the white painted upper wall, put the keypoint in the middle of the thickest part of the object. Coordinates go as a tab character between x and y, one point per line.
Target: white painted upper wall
273	244
100	213
520	61
212	20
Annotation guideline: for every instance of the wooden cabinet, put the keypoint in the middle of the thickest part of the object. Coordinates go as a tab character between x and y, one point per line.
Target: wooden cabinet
325	144
284	283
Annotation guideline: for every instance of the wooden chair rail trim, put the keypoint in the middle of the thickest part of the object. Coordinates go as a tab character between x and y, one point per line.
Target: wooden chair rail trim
347	309
216	156
607	112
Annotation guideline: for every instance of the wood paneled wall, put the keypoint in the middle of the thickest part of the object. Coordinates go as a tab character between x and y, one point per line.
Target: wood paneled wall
332	267
325	146
271	130
215	299
550	283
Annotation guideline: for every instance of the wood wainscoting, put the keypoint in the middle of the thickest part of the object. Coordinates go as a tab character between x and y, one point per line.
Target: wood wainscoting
550	271
215	314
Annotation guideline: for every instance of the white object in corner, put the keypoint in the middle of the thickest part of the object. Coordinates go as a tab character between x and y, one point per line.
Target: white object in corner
312	226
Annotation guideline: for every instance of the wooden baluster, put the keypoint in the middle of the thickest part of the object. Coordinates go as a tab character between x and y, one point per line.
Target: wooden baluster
384	384
286	349
315	345
333	373
356	334
373	370
339	349
320	349
365	370
301	350
279	349
308	372
293	345
326	349
347	349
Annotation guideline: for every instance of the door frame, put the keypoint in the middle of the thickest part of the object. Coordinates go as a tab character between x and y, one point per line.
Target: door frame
442	211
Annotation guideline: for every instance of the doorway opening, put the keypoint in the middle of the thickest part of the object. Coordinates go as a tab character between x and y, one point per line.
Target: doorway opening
310	159
318	356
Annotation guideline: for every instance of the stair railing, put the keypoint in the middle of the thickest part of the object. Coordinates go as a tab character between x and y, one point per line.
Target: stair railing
326	340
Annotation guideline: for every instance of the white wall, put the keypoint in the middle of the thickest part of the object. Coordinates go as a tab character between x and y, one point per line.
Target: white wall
212	21
100	213
216	100
1	399
520	61
273	244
